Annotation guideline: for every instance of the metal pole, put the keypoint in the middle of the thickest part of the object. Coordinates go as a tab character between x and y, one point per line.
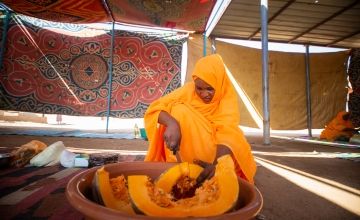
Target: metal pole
204	44
265	74
110	75
213	17
308	92
213	45
4	35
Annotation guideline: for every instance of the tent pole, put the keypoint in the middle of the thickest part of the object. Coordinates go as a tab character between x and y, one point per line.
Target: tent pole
308	92
204	44
4	35
110	75
265	73
213	45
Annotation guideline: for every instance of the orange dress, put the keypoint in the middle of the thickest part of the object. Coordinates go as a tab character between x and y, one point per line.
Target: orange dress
203	126
338	127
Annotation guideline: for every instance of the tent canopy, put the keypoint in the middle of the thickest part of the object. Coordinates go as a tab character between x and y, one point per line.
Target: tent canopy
280	29
182	15
315	22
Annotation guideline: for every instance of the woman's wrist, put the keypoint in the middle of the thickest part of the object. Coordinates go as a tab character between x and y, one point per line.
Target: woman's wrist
173	123
221	150
172	134
167	120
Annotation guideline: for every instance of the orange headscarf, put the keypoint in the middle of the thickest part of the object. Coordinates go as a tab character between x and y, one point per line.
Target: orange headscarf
203	126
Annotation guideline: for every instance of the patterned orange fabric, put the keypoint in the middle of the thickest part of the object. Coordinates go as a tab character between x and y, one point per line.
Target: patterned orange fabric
203	126
67	11
186	15
338	127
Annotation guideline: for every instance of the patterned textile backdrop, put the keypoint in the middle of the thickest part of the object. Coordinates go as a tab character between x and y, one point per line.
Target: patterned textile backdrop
354	77
189	15
63	68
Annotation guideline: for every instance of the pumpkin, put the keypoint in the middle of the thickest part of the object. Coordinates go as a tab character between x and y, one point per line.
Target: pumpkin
111	193
215	197
170	177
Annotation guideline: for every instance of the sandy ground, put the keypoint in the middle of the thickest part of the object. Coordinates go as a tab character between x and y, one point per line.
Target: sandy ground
297	180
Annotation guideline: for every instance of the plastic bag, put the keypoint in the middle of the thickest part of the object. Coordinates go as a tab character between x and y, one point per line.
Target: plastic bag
22	156
50	156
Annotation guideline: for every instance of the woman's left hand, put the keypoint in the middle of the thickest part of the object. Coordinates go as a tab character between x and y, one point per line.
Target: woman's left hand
209	168
207	173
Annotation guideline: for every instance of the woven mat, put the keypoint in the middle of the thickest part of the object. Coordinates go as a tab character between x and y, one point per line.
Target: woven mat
39	193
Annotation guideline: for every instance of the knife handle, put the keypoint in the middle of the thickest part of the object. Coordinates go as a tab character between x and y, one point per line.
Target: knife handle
178	158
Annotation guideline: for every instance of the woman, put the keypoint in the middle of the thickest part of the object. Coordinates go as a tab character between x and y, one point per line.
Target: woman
339	128
200	120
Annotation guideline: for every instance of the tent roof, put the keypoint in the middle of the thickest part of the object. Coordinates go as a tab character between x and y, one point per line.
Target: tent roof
177	14
315	22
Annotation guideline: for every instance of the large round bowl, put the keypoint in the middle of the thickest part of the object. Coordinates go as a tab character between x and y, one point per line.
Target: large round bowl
78	192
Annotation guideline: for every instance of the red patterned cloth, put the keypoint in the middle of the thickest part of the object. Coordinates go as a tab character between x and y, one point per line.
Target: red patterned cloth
50	69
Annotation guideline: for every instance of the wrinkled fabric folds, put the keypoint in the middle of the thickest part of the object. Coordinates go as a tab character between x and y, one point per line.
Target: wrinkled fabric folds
203	126
338	127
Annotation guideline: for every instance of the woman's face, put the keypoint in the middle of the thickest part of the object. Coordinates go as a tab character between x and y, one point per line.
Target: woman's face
204	90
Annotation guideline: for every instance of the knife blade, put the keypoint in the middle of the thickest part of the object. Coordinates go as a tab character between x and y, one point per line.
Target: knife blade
178	158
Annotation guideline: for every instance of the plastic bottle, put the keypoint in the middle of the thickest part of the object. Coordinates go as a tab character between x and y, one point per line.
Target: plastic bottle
136	131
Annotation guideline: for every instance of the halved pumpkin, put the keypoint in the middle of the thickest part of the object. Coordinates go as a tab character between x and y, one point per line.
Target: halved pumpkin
216	196
112	192
170	177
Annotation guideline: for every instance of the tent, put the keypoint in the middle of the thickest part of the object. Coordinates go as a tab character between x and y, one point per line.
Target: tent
291	104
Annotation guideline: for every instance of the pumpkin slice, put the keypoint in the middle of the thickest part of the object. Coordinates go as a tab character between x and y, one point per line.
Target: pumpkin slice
170	177
111	193
215	197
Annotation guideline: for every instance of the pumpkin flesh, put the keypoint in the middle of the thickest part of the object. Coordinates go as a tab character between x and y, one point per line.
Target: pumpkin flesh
214	197
170	177
113	192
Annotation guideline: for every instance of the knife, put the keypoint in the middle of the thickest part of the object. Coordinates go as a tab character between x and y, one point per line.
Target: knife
178	158
177	155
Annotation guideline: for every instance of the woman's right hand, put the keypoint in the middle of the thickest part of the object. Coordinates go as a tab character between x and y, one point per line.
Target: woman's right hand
172	134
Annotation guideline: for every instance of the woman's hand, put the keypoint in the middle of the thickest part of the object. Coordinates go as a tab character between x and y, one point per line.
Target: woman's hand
209	168
172	137
207	173
172	134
